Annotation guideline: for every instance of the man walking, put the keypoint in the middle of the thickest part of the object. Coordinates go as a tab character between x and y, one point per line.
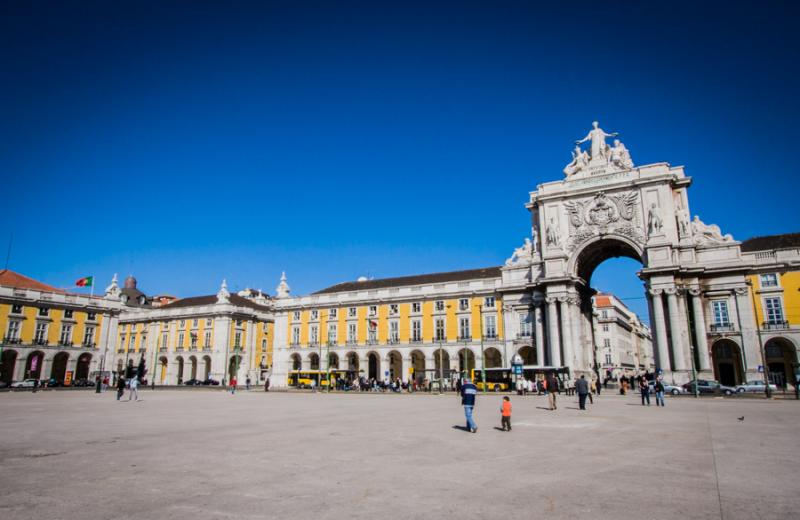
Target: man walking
582	386
552	389
659	388
644	389
468	393
120	387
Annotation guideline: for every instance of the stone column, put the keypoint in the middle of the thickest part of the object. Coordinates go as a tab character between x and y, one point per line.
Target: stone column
552	337
577	333
537	320
660	326
406	376
676	330
566	333
700	330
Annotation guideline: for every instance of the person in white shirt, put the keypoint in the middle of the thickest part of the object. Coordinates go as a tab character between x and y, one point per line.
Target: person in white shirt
134	389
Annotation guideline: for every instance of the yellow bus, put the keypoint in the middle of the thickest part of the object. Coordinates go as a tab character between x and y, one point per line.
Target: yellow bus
304	378
497	379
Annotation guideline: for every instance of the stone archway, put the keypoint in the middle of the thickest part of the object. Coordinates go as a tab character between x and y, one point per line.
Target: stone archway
418	364
313	361
781	358
58	370
164	363
180	375
352	363
234	366
466	362
493	357
395	361
295	362
8	362
192	367
441	364
374	366
727	362
528	355
82	367
333	361
33	365
206	368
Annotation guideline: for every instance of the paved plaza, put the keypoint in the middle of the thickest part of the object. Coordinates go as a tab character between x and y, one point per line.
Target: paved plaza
206	454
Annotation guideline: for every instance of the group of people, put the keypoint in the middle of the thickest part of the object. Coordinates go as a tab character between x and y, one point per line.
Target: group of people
132	385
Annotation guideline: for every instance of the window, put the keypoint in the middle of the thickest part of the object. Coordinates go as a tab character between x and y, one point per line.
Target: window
132	343
394	309
605	327
373	310
313	334
181	338
439	305
194	323
372	332
263	347
489	302
463	329
769	280
164	340
121	346
295	335
44	311
193	337
607	343
266	327
238	323
66	334
143	341
68	313
604	313
773	309
416	330
416	307
394	332
525	325
91	316
237	339
183	323
439	328
721	312
296	316
314	315
608	358
40	334
88	337
333	314
332	333
352	331
774	351
490	327
463	304
207	339
208	322
13	330
16	309
351	312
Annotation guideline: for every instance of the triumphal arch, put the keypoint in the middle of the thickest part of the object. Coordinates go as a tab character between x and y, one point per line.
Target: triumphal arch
605	207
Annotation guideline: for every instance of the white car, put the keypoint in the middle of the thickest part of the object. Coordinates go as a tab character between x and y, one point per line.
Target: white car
28	383
755	387
668	388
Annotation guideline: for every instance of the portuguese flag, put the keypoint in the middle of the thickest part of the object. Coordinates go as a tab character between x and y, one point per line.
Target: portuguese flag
87	281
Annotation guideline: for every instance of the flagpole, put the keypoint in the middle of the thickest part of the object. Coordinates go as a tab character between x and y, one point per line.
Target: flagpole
91	292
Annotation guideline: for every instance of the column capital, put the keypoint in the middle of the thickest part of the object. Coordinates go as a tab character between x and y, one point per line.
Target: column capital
550	299
655	292
740	291
672	291
694	291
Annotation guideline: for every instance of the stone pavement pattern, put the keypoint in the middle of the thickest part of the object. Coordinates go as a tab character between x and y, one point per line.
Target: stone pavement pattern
207	454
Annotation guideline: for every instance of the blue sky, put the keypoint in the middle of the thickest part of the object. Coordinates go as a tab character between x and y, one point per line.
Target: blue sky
185	142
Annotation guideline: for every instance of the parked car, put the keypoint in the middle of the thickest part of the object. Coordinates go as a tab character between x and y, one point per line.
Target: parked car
755	387
3	384
709	387
53	383
27	383
668	388
210	382
83	382
193	382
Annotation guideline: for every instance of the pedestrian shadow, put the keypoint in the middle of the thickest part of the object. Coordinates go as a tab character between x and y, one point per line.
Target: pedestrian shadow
571	408
462	428
499	429
542	408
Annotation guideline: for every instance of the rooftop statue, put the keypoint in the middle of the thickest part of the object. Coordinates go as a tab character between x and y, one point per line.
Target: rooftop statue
597	136
708	233
602	155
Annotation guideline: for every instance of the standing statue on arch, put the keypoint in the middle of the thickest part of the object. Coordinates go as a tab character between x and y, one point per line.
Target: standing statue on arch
597	136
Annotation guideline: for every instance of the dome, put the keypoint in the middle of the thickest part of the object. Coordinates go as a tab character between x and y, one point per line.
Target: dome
130	282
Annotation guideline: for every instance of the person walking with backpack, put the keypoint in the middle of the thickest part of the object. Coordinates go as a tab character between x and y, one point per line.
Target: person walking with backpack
468	393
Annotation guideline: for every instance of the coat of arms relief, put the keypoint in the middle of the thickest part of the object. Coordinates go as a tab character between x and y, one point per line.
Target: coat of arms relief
604	214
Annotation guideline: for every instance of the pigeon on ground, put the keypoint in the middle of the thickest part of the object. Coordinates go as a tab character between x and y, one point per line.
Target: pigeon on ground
741	418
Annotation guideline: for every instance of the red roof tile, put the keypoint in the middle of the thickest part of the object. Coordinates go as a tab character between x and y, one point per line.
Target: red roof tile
11	279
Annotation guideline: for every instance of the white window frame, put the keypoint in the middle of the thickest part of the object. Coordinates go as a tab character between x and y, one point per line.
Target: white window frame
207	339
489	302
525	324
722	307
295	335
333	314
332	332
490	326
765	306
463	304
416	330
373	310
88	335
313	334
352	333
394	331
352	312
416	307
438	305
440	329
774	280
464	328
315	314
40	332
296	316
14	327
181	339
66	334
394	309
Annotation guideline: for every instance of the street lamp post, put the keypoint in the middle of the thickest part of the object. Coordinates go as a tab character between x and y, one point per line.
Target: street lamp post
761	346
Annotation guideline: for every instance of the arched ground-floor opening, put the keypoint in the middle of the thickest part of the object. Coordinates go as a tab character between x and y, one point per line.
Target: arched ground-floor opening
333	361
395	365
313	361
120	367
295	362
352	362
441	363
727	360
466	362
163	372
528	355
192	367
180	363
374	364
493	358
206	368
233	367
82	367
781	359
33	365
8	362
418	364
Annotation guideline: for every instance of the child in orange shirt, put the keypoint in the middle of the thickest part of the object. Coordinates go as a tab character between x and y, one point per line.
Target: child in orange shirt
505	414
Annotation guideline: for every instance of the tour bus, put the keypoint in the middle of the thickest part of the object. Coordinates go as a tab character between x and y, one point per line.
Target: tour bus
303	378
497	379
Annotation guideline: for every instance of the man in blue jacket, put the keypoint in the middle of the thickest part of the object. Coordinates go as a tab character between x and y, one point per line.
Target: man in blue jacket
468	393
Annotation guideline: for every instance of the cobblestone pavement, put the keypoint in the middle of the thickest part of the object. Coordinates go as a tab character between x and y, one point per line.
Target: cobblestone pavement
208	454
